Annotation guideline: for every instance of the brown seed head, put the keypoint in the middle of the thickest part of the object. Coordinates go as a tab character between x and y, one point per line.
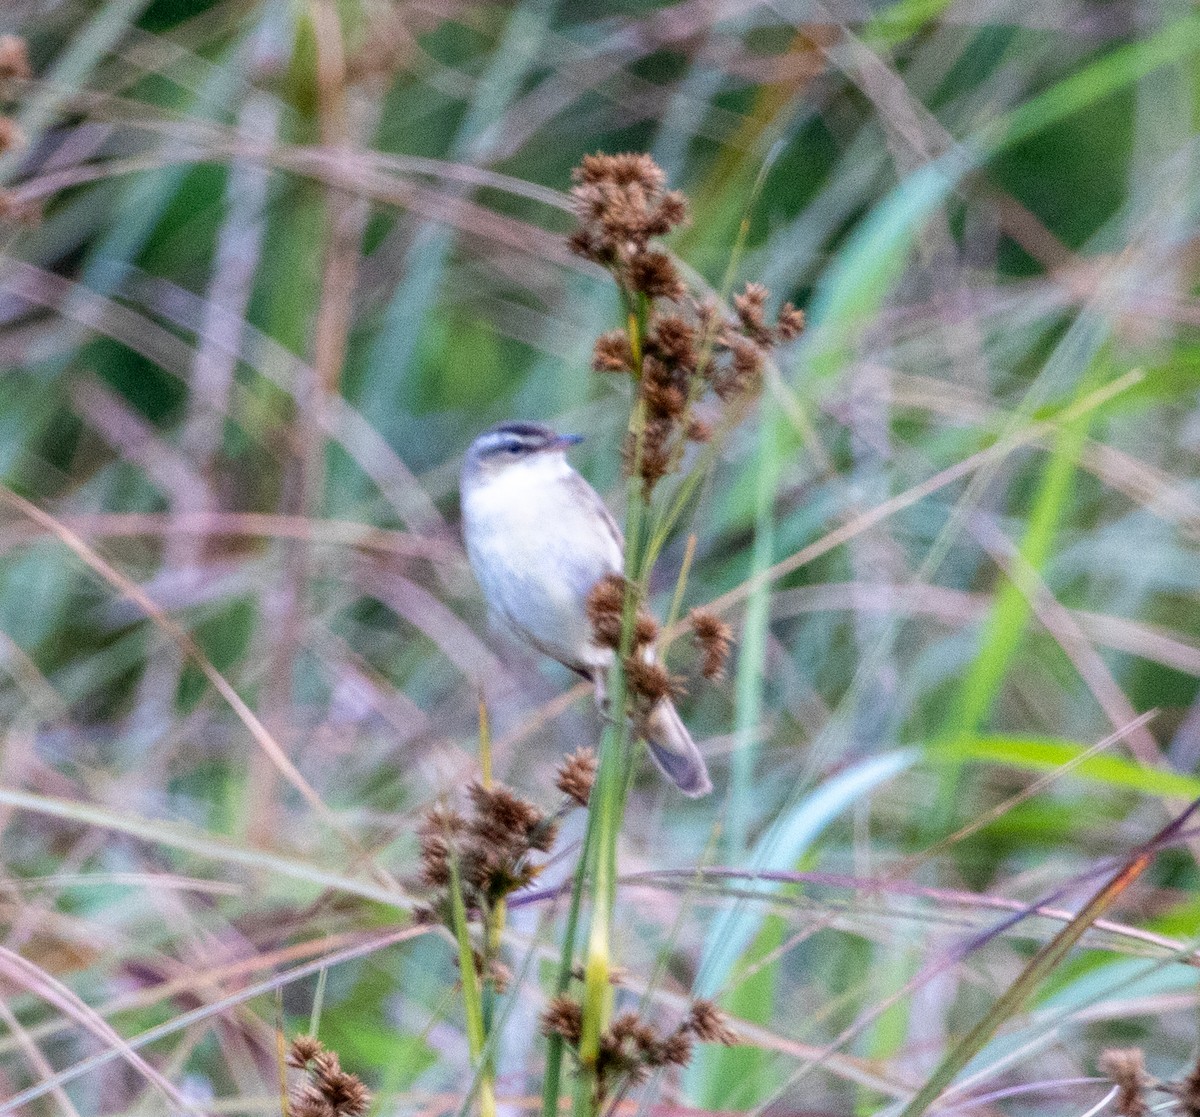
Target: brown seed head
621	203
664	400
750	307
435	861
327	1090
613	352
651	682
14	58
676	1050
576	774
1126	1068
713	637
707	1023
11	136
303	1050
698	430
1187	1092
655	275
645	630
588	244
790	324
673	340
624	1046
500	809
504	828
307	1101
438	830
626	168
743	374
672	211
604	606
654	462
563	1017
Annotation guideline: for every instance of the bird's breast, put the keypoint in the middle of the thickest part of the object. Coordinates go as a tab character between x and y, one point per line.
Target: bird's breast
537	550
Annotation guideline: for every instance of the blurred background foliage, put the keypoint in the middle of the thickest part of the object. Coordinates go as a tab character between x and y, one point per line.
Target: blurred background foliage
266	270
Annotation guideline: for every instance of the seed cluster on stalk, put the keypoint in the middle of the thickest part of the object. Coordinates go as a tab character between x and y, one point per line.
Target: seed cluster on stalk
677	348
648	681
1125	1068
631	1048
14	67
14	71
491	847
325	1090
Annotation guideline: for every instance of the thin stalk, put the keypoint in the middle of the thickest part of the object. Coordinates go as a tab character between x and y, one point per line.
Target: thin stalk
597	989
608	796
685	567
551	1085
493	933
485	743
472	998
281	1053
314	1020
494	920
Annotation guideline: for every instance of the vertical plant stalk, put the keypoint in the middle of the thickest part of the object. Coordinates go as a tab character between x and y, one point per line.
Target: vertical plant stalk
608	798
493	929
552	1079
677	350
472	996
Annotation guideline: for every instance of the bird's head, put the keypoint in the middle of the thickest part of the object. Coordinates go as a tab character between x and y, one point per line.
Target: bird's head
510	446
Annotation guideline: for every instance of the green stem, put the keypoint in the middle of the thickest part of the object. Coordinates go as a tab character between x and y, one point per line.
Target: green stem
551	1086
472	998
608	796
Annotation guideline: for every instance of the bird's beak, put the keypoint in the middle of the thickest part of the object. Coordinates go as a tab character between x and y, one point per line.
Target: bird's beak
564	441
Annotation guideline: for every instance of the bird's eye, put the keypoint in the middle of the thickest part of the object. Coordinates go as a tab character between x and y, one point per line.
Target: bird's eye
512	449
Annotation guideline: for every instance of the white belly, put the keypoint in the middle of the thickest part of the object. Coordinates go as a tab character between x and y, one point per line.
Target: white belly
537	551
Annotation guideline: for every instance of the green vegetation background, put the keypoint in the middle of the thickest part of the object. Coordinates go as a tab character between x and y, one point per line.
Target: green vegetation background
265	271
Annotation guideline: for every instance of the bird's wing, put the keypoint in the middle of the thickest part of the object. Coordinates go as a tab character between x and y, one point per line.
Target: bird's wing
591	499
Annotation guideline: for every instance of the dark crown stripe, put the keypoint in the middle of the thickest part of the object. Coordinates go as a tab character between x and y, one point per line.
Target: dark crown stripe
532	432
521	436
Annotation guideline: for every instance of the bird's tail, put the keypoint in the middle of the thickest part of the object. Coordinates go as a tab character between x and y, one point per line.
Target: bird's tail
674	751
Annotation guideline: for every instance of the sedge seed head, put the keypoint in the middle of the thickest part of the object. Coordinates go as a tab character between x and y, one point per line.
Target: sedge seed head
576	774
708	1024
14	58
563	1016
1126	1068
714	638
604	607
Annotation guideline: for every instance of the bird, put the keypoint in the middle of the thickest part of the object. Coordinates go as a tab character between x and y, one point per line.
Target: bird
539	538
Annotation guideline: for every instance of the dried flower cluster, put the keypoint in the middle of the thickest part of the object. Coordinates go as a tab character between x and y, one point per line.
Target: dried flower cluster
1187	1092
14	65
713	638
1126	1067
648	681
490	846
576	775
675	347
11	136
14	59
630	1048
325	1090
